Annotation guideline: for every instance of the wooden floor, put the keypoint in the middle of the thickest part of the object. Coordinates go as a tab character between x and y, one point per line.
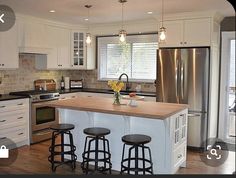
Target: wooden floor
33	160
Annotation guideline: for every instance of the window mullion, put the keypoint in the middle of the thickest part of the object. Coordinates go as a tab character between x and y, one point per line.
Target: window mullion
131	62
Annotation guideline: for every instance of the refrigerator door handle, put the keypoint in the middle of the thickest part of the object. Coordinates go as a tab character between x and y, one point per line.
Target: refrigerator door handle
194	115
176	79
182	79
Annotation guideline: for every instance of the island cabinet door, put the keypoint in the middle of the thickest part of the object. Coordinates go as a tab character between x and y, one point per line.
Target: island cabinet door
179	126
179	140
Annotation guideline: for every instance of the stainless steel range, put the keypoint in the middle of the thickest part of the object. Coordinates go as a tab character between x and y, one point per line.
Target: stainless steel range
41	116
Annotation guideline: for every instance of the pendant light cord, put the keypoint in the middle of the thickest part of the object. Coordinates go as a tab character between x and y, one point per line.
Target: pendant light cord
162	19
88	7
122	15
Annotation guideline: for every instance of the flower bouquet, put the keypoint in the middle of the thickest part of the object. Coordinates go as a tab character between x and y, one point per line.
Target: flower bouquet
116	86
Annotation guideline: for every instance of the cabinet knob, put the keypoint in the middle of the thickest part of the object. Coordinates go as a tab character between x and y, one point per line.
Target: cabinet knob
181	42
185	42
180	156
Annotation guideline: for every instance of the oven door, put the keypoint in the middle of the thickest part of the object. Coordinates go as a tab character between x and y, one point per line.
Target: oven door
43	116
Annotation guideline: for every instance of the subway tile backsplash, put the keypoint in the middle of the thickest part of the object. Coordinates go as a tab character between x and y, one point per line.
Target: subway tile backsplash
23	78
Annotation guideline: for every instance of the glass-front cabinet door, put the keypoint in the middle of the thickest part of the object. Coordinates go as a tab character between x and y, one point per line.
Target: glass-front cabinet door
78	50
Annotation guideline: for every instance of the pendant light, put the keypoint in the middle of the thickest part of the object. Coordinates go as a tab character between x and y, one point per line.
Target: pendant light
122	32
162	35
88	35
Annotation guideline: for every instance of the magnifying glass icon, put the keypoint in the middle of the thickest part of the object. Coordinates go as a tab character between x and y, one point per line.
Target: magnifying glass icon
213	152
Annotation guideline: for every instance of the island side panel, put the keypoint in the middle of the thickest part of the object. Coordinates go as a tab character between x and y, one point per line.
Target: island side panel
156	129
118	125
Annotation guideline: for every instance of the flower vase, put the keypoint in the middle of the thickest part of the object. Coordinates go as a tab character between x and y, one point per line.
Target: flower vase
117	98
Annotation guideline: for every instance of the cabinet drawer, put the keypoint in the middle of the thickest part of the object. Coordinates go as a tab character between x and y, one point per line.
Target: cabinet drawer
13	119
15	134
13	105
179	154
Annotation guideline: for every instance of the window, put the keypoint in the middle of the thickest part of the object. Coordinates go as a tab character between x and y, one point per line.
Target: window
136	58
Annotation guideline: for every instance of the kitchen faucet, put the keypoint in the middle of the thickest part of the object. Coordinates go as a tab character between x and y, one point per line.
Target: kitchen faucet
127	81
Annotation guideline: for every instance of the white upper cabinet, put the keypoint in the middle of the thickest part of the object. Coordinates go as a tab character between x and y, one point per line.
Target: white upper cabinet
58	41
9	58
82	55
197	32
32	37
188	32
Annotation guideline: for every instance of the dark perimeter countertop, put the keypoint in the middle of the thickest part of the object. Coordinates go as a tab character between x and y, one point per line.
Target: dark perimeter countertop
4	97
106	91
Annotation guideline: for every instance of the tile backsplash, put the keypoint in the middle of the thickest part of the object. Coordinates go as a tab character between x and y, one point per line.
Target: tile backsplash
23	78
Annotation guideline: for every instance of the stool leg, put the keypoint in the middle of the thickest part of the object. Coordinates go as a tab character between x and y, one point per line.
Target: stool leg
129	159
143	151
83	155
62	147
96	153
52	152
123	153
150	155
108	148
136	159
104	149
72	150
87	161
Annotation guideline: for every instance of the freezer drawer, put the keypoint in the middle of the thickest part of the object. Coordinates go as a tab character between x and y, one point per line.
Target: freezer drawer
197	129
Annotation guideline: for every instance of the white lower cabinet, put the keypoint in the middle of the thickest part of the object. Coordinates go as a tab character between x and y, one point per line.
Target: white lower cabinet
178	133
14	121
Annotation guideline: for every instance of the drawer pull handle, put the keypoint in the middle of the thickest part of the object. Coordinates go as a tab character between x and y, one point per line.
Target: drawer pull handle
73	96
20	133
180	156
3	138
2	106
20	104
3	121
20	118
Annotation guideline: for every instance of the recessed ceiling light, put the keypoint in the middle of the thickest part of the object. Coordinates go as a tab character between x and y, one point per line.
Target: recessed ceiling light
52	11
150	12
86	19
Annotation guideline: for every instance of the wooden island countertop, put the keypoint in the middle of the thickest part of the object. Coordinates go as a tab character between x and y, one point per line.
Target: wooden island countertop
147	109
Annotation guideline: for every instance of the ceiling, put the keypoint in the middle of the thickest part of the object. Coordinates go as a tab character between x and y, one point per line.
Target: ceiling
109	11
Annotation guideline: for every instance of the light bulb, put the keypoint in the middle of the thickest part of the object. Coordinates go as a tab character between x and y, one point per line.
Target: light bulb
122	35
88	39
162	34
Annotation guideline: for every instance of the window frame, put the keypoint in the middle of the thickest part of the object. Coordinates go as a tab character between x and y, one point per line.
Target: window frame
98	61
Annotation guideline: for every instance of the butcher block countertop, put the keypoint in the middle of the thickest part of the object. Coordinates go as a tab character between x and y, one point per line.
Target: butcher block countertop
145	109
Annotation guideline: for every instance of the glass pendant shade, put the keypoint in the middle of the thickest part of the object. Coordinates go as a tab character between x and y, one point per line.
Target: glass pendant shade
88	38
162	36
122	35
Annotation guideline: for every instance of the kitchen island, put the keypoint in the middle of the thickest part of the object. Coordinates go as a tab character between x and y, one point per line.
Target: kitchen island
165	123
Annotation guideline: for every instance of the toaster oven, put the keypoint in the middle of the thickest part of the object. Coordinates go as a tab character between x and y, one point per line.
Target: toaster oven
75	84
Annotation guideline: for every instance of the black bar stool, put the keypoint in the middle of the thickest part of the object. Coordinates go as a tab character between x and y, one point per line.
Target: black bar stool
62	129
136	142
100	154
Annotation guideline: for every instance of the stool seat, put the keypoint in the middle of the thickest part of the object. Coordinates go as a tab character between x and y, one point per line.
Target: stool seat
97	131
62	127
136	139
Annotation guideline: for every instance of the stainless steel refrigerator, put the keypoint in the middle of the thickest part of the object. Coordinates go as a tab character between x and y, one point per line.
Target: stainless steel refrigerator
183	77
